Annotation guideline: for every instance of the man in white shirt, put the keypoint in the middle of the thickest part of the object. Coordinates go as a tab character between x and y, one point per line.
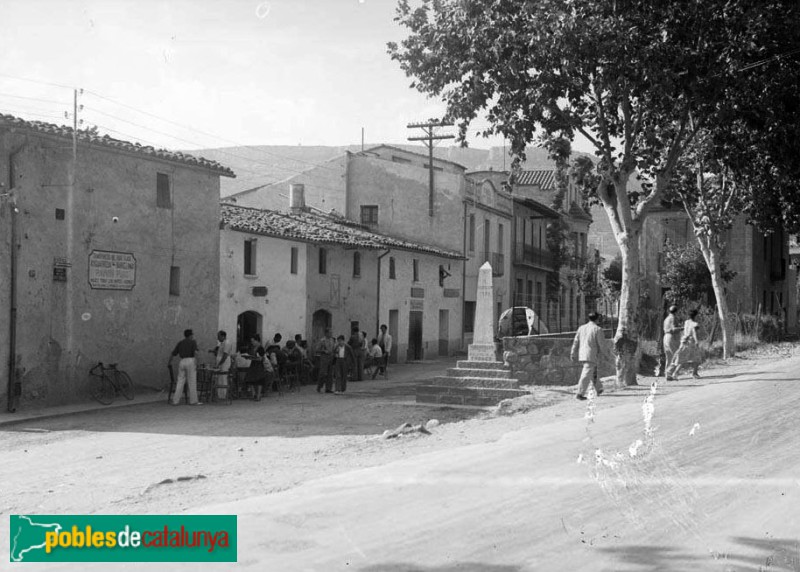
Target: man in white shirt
588	348
385	342
223	358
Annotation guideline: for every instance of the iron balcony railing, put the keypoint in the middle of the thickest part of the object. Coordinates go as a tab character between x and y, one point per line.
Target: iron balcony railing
538	257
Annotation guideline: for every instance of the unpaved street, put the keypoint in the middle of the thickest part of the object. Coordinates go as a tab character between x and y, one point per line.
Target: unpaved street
316	489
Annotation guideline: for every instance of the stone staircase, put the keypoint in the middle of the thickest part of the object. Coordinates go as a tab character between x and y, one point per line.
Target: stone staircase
476	383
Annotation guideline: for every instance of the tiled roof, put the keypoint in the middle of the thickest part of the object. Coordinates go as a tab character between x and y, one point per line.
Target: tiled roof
545	178
319	229
575	211
15	123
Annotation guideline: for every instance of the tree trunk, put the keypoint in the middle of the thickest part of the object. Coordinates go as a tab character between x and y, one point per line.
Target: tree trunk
712	255
626	340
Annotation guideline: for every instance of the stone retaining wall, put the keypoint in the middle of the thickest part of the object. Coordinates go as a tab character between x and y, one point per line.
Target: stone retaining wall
544	360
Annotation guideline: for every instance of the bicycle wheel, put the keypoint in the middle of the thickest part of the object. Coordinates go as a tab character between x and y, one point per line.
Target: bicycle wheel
104	390
124	383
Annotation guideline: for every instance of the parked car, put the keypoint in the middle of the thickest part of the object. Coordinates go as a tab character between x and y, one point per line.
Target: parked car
520	321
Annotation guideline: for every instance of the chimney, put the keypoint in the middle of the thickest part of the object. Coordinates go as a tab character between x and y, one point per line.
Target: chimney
297	200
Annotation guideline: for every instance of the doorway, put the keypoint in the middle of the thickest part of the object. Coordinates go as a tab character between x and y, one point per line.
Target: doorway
444	332
247	325
394	318
414	336
320	321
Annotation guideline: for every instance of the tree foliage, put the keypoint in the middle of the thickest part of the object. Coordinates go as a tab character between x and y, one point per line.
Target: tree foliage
687	276
611	278
638	78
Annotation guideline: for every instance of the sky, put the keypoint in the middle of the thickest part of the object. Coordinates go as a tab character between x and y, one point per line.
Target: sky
194	74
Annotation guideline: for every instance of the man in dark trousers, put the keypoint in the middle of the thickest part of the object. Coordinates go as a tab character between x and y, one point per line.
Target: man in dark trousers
342	358
356	344
186	349
323	359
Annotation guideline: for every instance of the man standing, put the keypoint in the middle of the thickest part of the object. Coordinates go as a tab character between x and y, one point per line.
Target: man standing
385	343
589	347
186	349
356	343
222	362
323	356
671	340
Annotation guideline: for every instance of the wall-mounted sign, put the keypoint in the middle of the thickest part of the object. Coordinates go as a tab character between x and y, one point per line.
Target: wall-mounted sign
112	270
61	261
260	291
59	274
416	305
417	292
452	292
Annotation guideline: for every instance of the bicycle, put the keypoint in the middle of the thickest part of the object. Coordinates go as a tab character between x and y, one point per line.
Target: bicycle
111	382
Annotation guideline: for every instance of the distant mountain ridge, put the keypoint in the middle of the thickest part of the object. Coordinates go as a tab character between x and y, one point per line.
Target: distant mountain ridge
259	165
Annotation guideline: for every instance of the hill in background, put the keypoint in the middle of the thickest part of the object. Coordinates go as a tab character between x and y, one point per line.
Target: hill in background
259	165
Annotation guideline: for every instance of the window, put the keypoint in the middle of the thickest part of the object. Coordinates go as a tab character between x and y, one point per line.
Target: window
163	196
323	261
500	238
250	257
471	243
174	281
519	294
392	273
356	264
416	270
60	214
397	159
369	214
293	263
487	238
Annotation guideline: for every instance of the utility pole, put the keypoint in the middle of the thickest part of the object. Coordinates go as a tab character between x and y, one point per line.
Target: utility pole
429	138
70	224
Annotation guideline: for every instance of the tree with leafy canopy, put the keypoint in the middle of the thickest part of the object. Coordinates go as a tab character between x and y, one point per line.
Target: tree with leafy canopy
687	276
636	78
746	156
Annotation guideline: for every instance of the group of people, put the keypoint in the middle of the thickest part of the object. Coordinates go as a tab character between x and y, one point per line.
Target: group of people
331	359
681	349
187	350
337	360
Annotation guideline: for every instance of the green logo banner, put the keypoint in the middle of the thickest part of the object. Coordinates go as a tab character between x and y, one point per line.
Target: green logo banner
119	538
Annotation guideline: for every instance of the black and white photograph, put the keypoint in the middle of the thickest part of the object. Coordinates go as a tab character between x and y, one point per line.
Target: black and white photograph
400	285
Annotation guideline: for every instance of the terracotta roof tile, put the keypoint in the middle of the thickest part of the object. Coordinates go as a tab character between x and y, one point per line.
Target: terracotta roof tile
319	229
11	122
545	178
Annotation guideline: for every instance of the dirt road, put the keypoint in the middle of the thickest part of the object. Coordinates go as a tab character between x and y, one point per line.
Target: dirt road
715	489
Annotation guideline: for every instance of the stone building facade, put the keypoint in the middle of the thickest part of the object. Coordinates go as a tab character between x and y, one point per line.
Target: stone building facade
108	253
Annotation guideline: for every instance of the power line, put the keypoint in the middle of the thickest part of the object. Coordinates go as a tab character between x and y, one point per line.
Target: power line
37	81
206	133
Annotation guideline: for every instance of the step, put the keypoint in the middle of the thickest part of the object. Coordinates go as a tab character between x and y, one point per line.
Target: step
475	382
479	397
467	364
475	372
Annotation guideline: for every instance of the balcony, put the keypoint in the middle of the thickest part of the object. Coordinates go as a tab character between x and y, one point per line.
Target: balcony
497	260
538	257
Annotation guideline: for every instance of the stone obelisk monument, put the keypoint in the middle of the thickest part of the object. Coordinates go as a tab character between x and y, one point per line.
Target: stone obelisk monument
481	380
482	346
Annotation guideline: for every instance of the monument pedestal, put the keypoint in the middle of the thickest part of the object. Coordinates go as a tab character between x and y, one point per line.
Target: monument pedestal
481	380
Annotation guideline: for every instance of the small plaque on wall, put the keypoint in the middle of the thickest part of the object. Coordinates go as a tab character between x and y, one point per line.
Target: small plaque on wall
260	291
452	292
59	274
417	305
